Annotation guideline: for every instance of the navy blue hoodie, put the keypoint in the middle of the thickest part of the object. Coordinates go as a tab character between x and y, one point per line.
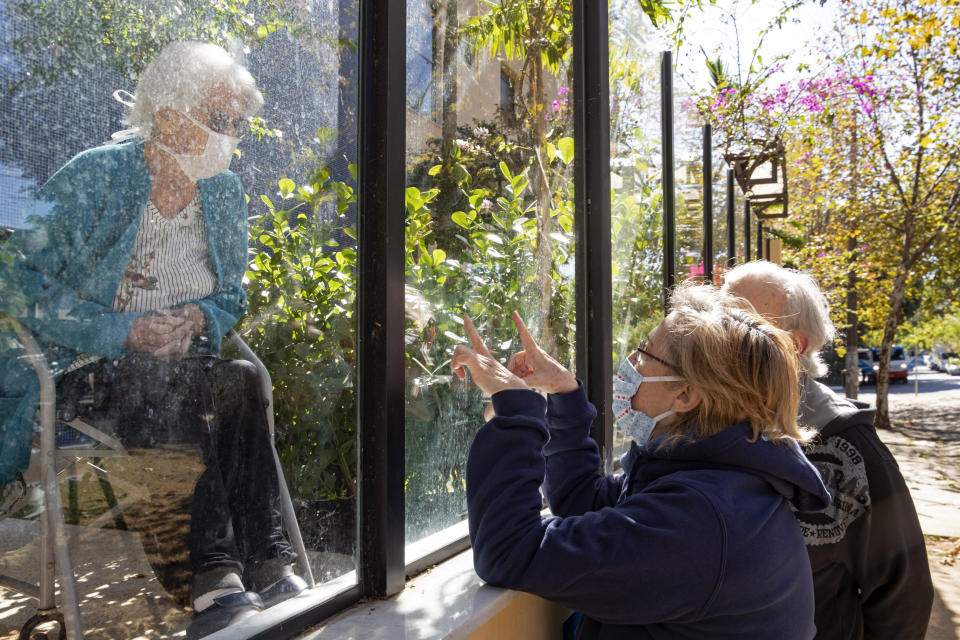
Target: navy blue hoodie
696	541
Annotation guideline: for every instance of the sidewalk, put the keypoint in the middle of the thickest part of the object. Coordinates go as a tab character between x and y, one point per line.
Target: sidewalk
925	439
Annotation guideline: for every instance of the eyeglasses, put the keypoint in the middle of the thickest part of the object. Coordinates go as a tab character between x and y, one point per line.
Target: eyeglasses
642	348
223	123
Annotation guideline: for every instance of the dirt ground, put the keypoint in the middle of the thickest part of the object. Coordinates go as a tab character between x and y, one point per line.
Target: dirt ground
945	618
131	564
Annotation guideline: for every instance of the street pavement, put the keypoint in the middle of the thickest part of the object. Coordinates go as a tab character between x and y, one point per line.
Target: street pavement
925	439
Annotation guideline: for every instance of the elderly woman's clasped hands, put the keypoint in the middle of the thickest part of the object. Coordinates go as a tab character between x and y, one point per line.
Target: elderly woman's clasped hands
167	333
532	368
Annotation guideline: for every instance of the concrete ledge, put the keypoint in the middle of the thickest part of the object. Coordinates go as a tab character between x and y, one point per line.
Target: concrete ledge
448	602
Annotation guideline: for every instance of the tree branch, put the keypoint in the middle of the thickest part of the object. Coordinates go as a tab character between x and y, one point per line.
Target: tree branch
921	249
881	140
951	159
918	82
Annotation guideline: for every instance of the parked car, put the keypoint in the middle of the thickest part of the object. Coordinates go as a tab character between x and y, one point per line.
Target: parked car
941	359
868	360
952	364
935	362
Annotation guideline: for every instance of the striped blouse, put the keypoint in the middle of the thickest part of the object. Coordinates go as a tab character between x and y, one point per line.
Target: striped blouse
170	264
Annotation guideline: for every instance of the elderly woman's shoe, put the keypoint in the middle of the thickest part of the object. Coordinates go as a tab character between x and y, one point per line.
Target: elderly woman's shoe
226	610
283	589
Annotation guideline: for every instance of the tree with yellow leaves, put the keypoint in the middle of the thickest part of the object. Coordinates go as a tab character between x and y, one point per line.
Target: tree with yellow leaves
908	51
874	153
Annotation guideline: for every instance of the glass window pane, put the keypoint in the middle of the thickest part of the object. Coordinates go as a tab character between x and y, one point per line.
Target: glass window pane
489	220
130	259
741	227
720	249
688	172
637	209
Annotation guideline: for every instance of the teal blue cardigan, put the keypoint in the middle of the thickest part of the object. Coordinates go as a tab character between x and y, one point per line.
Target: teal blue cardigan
67	265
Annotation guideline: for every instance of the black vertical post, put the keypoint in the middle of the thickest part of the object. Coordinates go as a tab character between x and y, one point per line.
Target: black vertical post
669	189
746	229
731	222
591	104
707	203
760	252
380	388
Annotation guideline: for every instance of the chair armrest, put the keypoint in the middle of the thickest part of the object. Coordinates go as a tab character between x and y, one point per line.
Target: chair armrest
48	387
266	384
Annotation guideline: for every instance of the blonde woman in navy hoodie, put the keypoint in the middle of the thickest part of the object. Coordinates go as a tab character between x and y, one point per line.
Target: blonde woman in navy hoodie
696	538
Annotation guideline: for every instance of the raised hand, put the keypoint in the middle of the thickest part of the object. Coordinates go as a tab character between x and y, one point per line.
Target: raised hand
487	373
537	367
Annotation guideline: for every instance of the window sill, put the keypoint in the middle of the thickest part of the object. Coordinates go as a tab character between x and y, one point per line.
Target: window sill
430	551
263	624
448	601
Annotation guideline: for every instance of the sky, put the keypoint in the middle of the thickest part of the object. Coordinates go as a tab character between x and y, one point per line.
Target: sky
713	30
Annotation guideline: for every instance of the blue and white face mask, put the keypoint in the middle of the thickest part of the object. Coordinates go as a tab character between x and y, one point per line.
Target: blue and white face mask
635	424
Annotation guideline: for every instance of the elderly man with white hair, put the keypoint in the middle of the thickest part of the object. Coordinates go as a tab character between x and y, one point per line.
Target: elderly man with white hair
867	553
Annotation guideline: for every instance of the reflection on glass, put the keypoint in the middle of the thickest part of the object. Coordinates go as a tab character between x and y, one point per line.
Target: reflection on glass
720	249
489	220
636	215
129	262
740	227
688	173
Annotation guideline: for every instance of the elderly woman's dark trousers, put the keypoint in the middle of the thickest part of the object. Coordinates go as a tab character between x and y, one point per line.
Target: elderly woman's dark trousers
218	406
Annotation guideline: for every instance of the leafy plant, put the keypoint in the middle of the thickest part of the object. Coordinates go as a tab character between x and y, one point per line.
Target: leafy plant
301	321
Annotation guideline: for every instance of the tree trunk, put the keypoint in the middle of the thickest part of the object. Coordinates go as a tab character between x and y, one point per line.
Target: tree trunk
851	380
892	321
451	41
543	257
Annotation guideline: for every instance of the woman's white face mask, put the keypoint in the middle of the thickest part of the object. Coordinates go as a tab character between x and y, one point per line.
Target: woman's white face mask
215	157
635	424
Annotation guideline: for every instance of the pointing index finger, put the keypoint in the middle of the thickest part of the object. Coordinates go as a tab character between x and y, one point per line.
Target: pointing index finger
474	337
529	344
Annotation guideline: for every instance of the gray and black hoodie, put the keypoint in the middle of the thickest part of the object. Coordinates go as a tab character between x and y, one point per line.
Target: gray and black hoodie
870	572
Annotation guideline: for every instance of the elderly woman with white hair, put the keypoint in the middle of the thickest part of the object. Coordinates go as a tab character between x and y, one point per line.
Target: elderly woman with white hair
132	272
695	538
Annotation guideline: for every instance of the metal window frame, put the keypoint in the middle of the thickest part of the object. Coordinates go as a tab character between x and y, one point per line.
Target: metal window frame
381	221
761	253
747	231
731	222
380	297
593	287
669	175
708	203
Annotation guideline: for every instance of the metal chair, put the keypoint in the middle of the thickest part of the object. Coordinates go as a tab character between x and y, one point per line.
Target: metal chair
54	552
